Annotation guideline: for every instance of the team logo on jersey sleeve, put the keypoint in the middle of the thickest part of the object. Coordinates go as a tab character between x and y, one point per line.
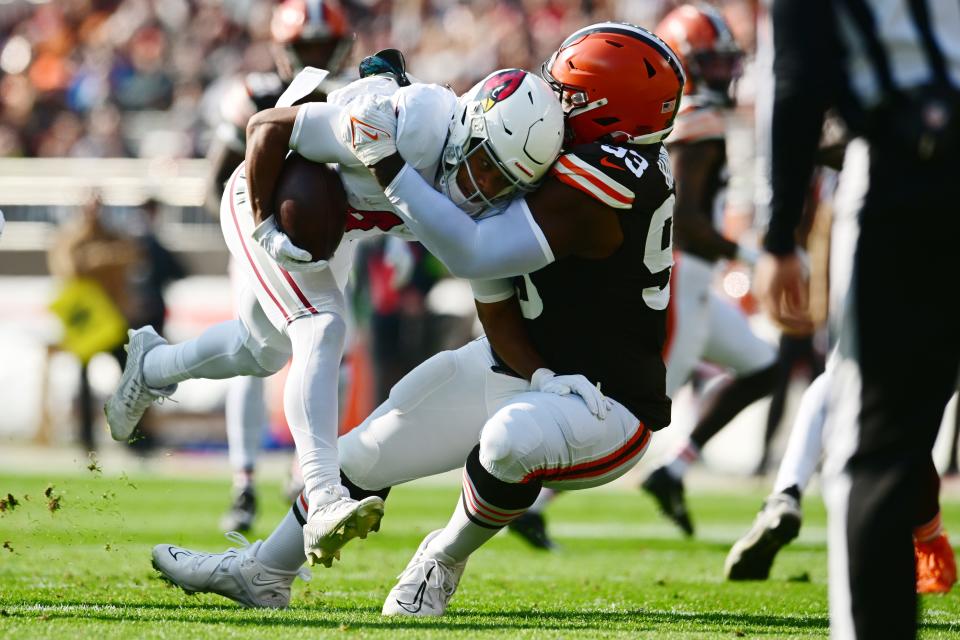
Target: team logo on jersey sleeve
499	87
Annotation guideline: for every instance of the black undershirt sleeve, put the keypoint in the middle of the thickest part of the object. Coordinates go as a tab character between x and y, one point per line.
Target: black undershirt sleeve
807	70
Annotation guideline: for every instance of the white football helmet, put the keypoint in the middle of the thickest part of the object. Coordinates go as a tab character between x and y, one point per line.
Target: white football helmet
517	120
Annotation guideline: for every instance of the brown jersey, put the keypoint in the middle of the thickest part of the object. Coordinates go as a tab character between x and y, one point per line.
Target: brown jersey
606	318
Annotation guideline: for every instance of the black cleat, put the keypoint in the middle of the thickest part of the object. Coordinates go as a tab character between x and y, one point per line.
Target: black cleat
776	525
533	528
242	512
668	492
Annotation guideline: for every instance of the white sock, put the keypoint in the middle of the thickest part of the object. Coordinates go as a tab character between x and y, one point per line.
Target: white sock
310	399
215	354
806	438
544	498
461	536
246	417
243	479
686	455
283	550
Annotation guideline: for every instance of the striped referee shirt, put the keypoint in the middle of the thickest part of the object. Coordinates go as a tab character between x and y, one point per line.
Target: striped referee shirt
852	55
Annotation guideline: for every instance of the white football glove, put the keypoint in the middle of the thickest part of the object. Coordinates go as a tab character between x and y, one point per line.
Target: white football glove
368	128
548	382
278	246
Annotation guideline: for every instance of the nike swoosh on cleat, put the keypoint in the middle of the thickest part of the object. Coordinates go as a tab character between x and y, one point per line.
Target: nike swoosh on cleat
179	552
257	581
417	604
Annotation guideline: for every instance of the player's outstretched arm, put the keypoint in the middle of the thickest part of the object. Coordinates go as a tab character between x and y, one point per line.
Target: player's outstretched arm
500	246
532	232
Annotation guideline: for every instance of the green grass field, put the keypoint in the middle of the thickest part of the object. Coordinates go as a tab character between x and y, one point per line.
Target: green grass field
83	571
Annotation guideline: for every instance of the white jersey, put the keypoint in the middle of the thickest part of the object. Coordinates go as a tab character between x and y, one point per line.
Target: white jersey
423	116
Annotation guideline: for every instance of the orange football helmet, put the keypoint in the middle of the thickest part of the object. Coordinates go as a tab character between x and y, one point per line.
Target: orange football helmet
617	81
312	32
710	54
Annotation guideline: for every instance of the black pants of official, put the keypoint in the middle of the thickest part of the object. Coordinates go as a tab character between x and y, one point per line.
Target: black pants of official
905	338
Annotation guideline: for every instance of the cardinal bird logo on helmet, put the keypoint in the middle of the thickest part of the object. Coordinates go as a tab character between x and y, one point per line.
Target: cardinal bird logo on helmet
499	87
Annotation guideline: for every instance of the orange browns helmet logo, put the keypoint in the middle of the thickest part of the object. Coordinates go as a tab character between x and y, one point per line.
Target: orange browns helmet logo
499	87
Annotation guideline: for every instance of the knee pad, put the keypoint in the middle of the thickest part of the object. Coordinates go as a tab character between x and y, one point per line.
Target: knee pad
508	439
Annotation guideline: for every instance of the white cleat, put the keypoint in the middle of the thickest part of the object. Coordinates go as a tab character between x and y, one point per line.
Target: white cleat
778	523
234	574
133	397
426	585
335	523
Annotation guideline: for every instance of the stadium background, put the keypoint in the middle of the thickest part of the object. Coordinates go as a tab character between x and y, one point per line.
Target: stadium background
86	83
121	97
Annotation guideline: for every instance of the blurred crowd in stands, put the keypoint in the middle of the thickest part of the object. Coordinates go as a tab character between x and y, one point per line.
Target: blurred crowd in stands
143	78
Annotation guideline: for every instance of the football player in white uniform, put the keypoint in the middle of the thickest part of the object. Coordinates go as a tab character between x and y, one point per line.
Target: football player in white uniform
299	309
591	249
314	33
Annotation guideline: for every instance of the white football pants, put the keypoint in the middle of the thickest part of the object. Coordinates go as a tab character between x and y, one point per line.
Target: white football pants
439	411
299	315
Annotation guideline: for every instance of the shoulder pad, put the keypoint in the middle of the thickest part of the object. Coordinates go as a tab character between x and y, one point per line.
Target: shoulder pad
582	172
423	117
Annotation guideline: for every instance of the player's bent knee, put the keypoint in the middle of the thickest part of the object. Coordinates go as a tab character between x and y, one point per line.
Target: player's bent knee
320	330
334	327
509	442
261	361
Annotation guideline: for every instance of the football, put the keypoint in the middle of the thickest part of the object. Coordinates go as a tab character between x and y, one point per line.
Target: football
310	206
